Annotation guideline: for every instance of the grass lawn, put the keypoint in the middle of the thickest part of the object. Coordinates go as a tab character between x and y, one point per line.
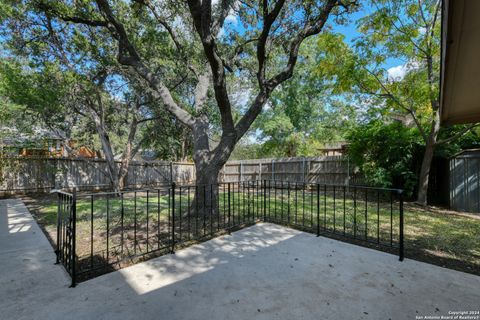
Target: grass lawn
442	237
433	235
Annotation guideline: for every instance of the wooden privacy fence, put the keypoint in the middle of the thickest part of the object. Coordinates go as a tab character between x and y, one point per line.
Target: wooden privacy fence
45	174
324	170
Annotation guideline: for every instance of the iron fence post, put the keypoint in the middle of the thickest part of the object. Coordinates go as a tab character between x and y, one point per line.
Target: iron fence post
173	218
229	210
288	203
122	216
57	250
354	212
74	238
318	210
264	200
401	246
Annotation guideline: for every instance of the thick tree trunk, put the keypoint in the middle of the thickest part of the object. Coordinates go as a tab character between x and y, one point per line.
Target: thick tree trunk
208	165
430	145
205	201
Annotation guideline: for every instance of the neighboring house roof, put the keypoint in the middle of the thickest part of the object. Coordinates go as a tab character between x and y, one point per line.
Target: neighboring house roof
40	142
460	93
334	148
12	137
334	145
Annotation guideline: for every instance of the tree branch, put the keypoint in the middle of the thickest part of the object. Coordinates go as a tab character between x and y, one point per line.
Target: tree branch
218	24
311	28
163	22
127	55
391	96
201	14
148	119
458	134
268	20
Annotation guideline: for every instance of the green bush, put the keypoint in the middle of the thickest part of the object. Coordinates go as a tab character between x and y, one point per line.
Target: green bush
384	154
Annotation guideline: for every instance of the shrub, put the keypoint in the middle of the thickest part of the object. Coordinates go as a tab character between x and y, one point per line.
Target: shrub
384	154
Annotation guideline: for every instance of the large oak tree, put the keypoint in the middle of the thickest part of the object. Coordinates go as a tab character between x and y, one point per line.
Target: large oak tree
190	44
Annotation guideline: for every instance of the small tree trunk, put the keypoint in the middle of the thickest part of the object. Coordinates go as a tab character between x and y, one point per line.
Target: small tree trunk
109	158
430	145
107	151
425	174
183	150
127	154
122	173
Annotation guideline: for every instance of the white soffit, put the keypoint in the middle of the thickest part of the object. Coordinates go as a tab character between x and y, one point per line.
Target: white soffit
460	89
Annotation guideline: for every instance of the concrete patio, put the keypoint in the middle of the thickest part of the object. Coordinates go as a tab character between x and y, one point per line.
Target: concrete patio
262	272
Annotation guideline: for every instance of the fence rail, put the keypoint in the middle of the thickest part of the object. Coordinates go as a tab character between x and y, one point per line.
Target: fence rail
99	232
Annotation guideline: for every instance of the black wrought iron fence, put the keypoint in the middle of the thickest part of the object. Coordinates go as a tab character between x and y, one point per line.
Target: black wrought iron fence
66	233
99	232
364	214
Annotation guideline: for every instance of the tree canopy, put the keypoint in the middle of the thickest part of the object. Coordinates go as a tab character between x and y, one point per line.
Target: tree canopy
209	80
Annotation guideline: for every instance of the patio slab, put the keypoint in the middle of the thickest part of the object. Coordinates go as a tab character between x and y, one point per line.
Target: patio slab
262	272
